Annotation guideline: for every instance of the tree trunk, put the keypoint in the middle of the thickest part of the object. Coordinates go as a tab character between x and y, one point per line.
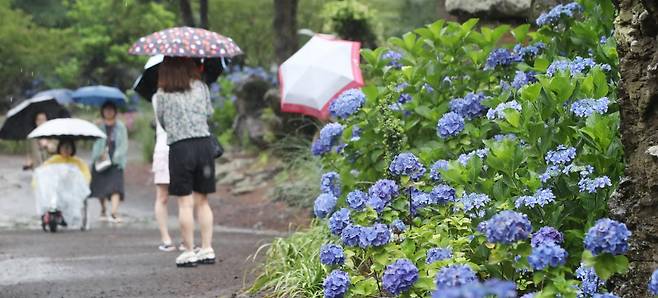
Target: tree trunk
636	202
285	29
203	14
186	13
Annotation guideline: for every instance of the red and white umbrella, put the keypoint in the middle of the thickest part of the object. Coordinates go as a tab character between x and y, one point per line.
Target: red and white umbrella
316	74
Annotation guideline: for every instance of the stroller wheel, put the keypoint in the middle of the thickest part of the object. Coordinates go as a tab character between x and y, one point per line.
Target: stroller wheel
54	220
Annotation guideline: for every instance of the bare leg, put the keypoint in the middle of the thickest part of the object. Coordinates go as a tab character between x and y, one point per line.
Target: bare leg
186	220
103	212
161	197
205	217
115	206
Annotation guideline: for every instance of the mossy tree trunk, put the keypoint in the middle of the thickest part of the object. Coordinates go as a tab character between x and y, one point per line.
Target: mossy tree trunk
285	29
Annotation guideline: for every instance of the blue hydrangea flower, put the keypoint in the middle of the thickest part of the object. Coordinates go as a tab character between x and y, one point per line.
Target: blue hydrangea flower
605	295
336	284
506	227
653	283
450	125
419	199
339	220
470	106
394	59
499	111
442	194
553	16
330	183
500	288
404	98
500	57
586	107
407	164
556	66
530	295
545	235
464	158
348	103
454	276
590	185
523	78
357	199
435	173
428	88
542	197
376	203
398	226
332	254
607	236
377	235
329	137
474	203
551	171
546	255
603	39
400	276
575	67
492	287
590	282
324	205
384	189
350	235
356	133
438	254
501	137
529	52
562	155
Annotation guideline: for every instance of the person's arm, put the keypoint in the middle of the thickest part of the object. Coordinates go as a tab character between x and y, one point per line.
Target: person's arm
97	150
209	108
121	143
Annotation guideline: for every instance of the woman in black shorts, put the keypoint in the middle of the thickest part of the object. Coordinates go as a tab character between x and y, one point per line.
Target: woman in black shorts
183	109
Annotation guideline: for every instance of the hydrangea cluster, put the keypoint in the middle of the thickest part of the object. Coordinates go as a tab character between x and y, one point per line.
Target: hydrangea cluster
546	235
364	237
501	137
450	125
324	205
577	66
336	284
551	171
339	220
542	197
603	39
587	107
330	183
529	52
399	276
500	57
393	58
474	203
419	199
605	295
436	254
397	226
607	236
454	276
465	157
356	133
428	88
407	164
590	185
530	295
523	78
329	137
470	106
348	103
350	235
499	111
556	13
357	199
562	155
435	173
384	189
547	254
653	283
332	254
376	203
493	287
506	227
442	194
590	282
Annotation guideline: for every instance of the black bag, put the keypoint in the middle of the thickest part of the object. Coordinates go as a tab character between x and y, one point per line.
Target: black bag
217	148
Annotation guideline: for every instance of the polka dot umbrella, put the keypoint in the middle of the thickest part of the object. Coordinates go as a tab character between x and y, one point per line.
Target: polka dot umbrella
186	42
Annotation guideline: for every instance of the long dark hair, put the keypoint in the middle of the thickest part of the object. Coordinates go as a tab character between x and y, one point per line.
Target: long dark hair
176	73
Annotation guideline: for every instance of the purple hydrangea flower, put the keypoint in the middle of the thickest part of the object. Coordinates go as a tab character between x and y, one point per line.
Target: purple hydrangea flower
438	254
470	106
464	158
407	164
653	283
350	235
551	171
590	282
605	295
553	16
454	276
331	254
590	185
562	155
523	78
384	189
474	203
529	52
339	220
357	199
545	235
399	277
377	235
404	98
435	173
428	88
398	226
336	284
587	107
506	227
324	205
546	255
376	203
330	183
419	199
442	194
450	125
542	197
393	58
329	137
607	236
348	103
500	57
492	287
499	111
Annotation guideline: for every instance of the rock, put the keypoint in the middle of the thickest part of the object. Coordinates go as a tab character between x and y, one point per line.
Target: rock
231	179
494	9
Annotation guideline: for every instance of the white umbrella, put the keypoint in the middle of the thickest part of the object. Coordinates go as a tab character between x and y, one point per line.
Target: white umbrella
316	74
67	128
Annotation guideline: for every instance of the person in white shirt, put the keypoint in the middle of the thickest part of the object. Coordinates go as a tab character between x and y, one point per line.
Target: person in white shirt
161	179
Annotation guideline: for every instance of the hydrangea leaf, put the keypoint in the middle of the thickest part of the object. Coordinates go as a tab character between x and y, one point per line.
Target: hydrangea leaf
520	32
606	265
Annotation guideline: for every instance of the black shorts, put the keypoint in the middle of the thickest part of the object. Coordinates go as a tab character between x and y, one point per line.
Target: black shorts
191	167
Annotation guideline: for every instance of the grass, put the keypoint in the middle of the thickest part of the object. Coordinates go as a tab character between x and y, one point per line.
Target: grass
292	267
298	183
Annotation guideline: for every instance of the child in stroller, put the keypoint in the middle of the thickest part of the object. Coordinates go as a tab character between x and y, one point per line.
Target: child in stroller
61	186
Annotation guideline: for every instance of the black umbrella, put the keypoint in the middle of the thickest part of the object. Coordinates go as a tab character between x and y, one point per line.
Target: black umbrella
147	84
20	119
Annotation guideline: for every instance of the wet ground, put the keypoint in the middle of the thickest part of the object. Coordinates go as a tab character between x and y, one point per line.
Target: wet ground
121	260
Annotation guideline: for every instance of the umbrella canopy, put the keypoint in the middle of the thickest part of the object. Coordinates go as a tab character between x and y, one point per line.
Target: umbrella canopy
72	128
98	95
63	96
147	84
186	42
20	119
316	74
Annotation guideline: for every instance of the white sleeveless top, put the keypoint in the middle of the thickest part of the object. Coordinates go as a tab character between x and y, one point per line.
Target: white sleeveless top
160	134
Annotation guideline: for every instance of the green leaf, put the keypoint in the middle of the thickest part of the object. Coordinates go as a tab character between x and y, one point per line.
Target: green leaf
521	32
513	117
